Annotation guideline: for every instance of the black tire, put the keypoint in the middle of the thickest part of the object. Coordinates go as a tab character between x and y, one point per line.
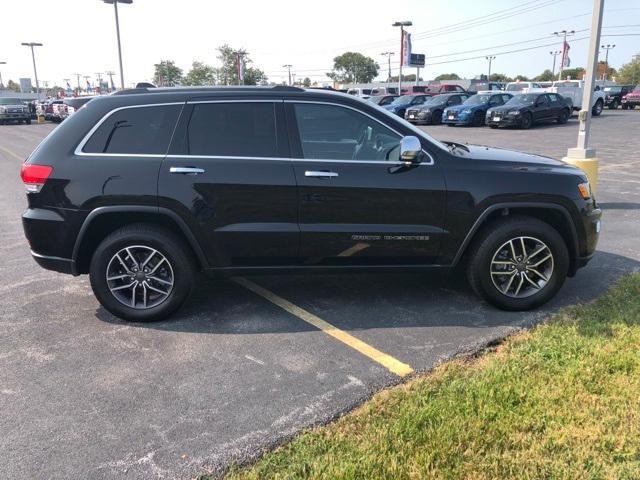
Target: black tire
176	253
478	119
526	121
451	124
614	105
597	108
27	121
563	117
490	239
436	117
493	126
625	106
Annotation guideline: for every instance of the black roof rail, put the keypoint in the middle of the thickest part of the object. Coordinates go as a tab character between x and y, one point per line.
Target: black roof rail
135	91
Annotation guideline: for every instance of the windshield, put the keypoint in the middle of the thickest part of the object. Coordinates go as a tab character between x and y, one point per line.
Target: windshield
613	89
438	99
403	100
526	99
477	100
10	101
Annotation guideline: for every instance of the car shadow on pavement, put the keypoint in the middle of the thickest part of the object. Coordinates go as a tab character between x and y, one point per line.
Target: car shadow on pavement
619	206
369	301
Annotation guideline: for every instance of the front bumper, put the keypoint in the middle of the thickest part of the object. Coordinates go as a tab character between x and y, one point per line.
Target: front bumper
631	102
419	119
459	119
15	116
503	121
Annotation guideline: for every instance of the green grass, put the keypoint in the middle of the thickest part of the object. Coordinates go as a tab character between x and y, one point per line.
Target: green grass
559	401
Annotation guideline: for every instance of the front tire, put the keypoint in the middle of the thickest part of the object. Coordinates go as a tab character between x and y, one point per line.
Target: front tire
526	121
614	105
142	273
518	263
563	117
436	117
597	108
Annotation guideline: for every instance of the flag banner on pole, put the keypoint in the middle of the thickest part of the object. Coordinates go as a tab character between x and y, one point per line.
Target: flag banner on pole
566	61
406	48
89	88
69	89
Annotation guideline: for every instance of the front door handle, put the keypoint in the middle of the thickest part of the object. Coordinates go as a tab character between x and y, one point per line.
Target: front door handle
186	170
320	174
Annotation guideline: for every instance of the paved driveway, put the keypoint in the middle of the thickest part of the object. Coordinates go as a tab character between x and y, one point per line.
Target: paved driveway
244	366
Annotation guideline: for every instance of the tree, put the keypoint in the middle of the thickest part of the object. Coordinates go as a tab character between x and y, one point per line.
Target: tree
167	74
573	73
448	76
353	67
411	77
546	76
200	74
227	74
13	86
306	82
500	77
629	73
522	78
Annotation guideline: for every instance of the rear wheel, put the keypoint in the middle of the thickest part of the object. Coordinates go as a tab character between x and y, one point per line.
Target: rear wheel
518	263
142	273
597	108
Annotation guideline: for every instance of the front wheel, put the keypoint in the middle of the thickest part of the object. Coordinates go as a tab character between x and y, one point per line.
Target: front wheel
526	121
563	117
597	108
436	117
614	105
518	263
142	273
478	119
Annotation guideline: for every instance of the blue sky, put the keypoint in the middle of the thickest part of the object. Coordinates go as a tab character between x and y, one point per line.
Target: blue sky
81	37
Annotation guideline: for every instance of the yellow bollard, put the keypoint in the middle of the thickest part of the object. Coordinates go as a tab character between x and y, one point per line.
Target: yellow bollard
588	166
40	118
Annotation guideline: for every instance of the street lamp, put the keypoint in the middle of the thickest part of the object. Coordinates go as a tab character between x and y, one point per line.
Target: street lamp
606	47
1	84
405	23
490	58
115	8
564	34
388	55
555	53
33	57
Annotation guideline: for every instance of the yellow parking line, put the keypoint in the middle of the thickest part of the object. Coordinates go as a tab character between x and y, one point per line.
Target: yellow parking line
12	154
392	364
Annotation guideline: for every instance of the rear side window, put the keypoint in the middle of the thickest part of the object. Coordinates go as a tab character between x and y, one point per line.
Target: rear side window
233	129
136	130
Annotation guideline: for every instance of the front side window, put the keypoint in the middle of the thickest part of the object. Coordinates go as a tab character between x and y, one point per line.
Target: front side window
331	132
233	129
136	130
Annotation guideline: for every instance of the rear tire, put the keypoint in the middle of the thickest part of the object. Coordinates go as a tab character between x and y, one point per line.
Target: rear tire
489	269
132	294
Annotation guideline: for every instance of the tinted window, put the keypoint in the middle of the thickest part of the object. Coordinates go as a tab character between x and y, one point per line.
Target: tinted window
506	98
233	129
331	132
140	130
552	97
542	100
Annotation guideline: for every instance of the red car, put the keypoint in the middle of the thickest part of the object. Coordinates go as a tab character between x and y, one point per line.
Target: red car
631	99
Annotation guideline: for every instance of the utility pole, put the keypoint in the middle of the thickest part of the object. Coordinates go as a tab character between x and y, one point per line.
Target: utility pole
115	9
606	48
110	74
490	58
2	84
564	34
287	66
582	156
388	55
405	23
555	53
33	57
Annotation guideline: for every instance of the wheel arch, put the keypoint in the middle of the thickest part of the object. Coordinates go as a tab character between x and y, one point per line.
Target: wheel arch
104	220
556	215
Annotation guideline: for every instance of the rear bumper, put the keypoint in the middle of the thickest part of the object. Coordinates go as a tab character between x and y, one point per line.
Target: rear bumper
57	264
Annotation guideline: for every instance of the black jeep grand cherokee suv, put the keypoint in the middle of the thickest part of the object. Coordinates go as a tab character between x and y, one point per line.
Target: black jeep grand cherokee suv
143	189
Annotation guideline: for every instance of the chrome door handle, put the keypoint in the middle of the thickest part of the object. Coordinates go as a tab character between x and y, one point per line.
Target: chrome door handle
186	170
320	174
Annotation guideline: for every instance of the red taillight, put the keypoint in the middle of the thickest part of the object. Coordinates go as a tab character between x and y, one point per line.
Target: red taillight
34	176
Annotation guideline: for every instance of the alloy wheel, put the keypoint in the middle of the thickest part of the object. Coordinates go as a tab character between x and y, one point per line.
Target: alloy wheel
140	277
521	267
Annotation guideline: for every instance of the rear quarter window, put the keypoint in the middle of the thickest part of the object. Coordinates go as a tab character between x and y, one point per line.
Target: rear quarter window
135	130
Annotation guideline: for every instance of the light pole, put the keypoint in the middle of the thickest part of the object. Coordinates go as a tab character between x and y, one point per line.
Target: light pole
405	23
564	34
490	58
33	57
1	84
78	75
287	66
99	75
606	47
555	53
388	55
115	8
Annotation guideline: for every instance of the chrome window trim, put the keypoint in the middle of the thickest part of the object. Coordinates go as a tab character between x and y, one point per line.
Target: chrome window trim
78	150
285	159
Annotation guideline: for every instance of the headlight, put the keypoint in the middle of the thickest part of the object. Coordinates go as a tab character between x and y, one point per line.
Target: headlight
466	110
3	110
585	190
514	112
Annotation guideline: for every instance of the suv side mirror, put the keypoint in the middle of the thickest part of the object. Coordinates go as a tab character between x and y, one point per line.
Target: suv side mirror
410	148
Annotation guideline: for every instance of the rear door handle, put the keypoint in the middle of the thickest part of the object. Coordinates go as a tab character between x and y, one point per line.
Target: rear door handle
186	170
320	174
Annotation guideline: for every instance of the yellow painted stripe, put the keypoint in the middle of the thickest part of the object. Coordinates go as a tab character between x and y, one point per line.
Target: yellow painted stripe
392	364
12	154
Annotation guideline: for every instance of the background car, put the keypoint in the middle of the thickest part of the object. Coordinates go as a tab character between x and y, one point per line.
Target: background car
519	86
399	105
613	95
473	109
431	110
526	109
13	110
360	92
631	99
383	100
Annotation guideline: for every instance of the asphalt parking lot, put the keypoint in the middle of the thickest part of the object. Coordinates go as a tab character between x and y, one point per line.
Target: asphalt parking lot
237	370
